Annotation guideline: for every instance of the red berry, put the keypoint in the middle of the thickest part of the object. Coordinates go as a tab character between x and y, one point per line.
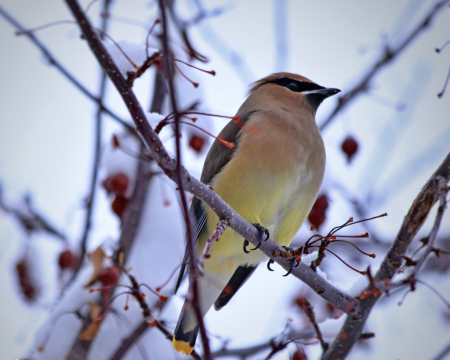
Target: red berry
25	282
28	291
318	213
196	143
349	147
300	301
67	259
119	205
299	355
109	276
117	184
21	269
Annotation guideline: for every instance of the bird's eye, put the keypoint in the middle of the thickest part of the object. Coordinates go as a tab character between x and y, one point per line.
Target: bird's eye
293	87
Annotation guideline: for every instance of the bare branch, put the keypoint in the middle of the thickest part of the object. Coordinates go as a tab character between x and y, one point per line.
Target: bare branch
52	60
388	55
245	352
417	214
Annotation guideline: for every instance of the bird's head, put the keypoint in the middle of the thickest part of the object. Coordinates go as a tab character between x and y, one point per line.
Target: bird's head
289	90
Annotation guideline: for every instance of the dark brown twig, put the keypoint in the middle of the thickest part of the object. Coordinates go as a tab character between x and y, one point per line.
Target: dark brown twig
388	55
309	311
130	340
193	284
96	161
29	218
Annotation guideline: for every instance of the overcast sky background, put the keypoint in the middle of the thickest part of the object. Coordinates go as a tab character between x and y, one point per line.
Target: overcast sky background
46	144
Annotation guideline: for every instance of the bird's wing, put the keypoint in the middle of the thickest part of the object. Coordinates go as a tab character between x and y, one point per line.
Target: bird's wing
238	279
218	156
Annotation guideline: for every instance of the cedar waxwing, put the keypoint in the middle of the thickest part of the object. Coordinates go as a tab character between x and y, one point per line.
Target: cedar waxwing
271	177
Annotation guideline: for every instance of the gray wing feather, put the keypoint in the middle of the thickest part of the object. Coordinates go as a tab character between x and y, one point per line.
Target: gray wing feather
218	156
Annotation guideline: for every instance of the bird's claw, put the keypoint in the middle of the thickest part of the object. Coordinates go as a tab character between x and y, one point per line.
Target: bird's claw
246	243
269	263
292	262
261	232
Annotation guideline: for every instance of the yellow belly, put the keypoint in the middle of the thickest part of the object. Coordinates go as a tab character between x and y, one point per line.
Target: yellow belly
271	180
279	202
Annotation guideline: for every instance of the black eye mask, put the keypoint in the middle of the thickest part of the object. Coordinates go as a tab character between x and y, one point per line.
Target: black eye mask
295	85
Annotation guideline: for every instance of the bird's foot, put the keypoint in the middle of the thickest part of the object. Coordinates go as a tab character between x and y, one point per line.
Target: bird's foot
261	232
292	262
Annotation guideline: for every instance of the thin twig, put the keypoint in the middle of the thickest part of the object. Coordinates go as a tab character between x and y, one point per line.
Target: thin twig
218	231
245	352
388	55
30	218
52	60
443	190
96	161
309	311
443	354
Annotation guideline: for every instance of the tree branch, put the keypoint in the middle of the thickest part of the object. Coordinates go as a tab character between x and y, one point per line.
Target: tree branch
417	214
389	54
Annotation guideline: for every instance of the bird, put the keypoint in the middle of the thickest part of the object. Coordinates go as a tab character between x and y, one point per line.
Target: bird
271	177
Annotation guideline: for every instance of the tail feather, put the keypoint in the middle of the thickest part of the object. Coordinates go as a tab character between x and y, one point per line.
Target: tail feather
184	341
209	286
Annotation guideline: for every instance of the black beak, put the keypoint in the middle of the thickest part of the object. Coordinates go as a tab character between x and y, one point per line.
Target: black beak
315	97
327	92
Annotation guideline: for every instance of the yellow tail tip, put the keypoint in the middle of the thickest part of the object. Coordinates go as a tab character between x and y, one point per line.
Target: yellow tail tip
182	346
